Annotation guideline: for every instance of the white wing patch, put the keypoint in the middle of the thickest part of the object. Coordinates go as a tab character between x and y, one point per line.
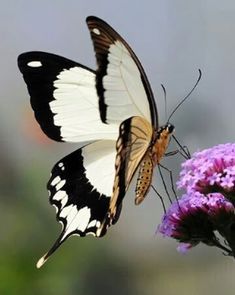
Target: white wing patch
76	107
34	64
60	184
96	31
61	165
124	94
56	180
76	220
62	197
99	162
94	223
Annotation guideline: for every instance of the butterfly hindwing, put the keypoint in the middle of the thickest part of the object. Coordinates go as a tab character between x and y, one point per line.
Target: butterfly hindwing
135	136
63	97
82	200
122	85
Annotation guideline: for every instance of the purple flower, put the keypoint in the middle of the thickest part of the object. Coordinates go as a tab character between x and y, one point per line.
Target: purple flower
211	170
195	218
206	213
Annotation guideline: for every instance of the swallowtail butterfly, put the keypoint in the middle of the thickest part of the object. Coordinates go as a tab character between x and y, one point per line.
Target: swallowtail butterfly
113	110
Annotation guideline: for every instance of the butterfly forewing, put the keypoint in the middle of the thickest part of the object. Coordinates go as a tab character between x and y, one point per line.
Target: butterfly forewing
63	97
121	82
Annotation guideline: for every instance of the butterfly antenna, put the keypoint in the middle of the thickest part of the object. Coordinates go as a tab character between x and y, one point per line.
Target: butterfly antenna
190	92
164	92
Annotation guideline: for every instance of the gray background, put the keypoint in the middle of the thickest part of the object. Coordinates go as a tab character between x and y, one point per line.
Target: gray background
172	39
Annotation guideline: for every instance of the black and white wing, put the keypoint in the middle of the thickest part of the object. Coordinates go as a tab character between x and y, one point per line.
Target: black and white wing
64	98
75	104
122	85
80	188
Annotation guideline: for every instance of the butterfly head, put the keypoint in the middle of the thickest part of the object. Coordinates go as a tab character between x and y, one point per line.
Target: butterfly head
165	131
169	128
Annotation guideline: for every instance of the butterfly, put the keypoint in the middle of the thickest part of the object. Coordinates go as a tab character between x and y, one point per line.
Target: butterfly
113	112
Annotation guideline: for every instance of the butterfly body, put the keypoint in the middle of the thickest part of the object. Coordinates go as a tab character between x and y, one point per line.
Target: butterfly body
153	156
140	134
112	113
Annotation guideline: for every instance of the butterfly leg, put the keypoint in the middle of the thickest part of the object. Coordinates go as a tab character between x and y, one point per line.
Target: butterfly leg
164	183
184	152
172	153
183	149
160	197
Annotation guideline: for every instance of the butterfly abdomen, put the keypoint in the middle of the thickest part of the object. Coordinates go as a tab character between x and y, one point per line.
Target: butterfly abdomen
144	178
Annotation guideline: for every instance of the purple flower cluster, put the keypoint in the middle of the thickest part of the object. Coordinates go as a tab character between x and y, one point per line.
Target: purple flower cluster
207	208
211	170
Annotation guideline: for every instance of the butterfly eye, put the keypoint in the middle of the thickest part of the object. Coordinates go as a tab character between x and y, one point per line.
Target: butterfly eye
170	128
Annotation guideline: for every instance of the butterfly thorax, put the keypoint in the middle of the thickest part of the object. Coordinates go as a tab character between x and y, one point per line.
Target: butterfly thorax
152	158
160	142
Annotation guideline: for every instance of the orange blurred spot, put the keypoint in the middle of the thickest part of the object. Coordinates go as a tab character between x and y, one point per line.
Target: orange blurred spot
32	129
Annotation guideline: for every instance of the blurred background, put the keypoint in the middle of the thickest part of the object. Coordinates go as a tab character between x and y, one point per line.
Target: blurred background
173	39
